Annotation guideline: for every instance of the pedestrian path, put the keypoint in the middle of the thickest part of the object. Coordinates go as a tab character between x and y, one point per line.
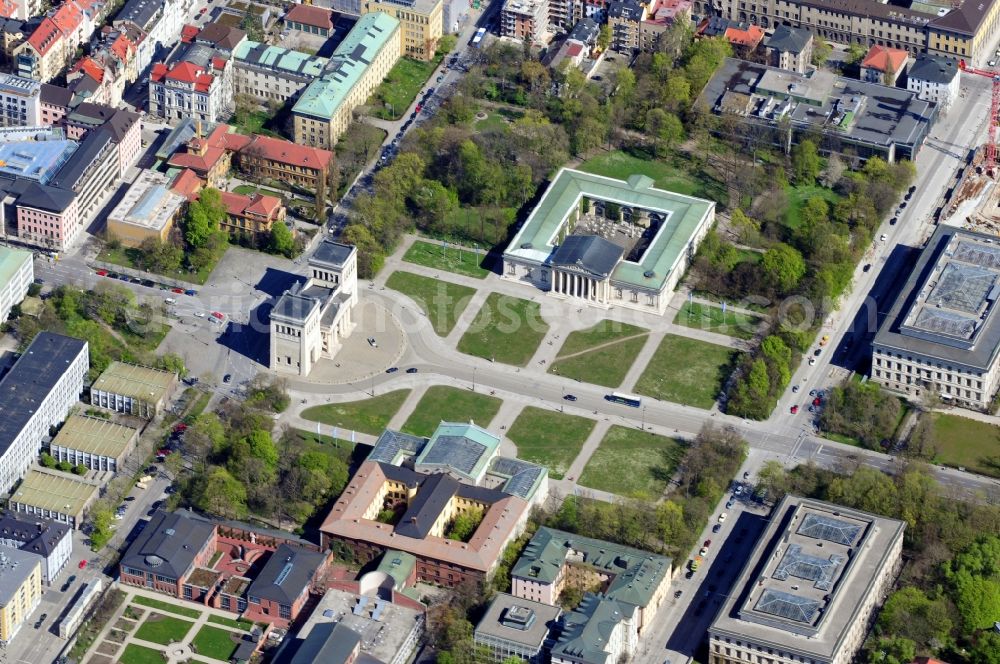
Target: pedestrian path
407	408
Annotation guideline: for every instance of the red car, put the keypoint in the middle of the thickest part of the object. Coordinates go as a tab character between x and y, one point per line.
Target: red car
419	108
707	543
180	428
102	273
179	291
218	315
795	409
83	563
817	401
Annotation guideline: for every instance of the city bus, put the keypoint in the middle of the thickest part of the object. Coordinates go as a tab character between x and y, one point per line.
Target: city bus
477	38
624	399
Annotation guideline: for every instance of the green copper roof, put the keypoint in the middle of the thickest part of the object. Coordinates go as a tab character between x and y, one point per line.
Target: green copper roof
11	261
349	62
637	573
544	229
280	59
398	565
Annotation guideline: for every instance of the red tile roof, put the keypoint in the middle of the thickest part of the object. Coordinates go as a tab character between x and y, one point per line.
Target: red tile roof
574	49
185	72
749	37
8	9
218	63
188	33
204	82
286	152
234	141
240	205
45	36
197	162
158	72
123	48
68	17
309	15
90	67
881	57
187	184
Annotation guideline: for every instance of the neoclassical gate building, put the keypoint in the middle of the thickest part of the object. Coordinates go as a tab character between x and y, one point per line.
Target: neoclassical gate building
608	242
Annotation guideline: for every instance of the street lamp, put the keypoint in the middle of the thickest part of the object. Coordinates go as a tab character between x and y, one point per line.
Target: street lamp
643	426
473	378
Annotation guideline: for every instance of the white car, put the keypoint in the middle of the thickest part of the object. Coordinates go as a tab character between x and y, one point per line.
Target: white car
882	238
722	517
199	314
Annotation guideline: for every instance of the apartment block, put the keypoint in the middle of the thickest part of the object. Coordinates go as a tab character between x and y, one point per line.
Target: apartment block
525	19
36	394
324	110
48	539
20	590
20	105
274	74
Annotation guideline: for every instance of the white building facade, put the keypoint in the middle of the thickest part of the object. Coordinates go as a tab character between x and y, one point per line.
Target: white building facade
17	271
19	102
934	78
36	394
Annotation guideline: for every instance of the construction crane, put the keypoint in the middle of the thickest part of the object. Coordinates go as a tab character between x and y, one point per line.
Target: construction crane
991	145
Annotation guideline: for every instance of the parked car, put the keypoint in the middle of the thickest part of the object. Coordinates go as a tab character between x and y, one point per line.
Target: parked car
102	273
190	292
411	370
392	370
228	378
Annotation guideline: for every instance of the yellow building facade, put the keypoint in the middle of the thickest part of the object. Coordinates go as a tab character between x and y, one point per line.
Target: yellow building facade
20	590
421	24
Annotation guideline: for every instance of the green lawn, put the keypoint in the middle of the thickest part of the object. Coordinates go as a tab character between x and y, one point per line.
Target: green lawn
496	119
215	643
632	463
367	416
711	319
506	329
127	257
687	371
134	654
159	628
797	196
253	123
310	441
401	85
442	403
549	438
605	366
442	301
620	165
602	333
164	606
247	189
454	258
245	625
972	444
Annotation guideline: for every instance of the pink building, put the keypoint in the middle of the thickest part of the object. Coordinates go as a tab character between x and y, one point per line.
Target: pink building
55	101
47	217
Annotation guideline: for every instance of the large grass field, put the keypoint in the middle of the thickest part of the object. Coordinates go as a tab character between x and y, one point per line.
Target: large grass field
400	87
632	463
215	643
442	403
620	165
164	606
968	443
367	416
453	258
710	318
549	438
159	628
442	301
686	371
506	329
607	365
135	654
